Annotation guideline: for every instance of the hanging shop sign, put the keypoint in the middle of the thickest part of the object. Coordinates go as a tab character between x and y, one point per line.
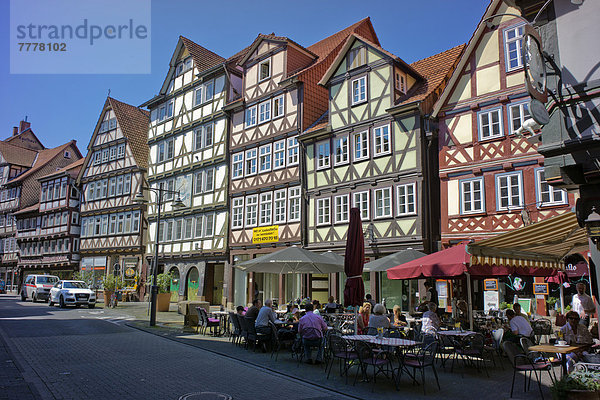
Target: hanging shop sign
490	284
540	288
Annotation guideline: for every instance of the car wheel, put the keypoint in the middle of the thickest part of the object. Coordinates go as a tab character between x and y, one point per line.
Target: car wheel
33	298
23	296
61	301
90	306
50	302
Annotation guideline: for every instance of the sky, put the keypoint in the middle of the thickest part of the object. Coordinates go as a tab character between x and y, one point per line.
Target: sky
65	107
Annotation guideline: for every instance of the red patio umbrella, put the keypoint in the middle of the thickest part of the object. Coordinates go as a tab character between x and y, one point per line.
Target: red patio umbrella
354	260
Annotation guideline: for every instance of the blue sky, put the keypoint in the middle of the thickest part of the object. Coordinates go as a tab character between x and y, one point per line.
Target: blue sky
65	107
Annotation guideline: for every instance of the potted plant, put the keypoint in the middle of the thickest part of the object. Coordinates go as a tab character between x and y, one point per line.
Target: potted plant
577	385
111	284
504	305
163	298
551	302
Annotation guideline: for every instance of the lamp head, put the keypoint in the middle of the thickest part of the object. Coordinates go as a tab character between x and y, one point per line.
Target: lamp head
178	203
139	198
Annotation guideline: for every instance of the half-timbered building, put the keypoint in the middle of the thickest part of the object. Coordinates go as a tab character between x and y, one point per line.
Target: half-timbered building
112	225
188	155
48	232
280	97
492	178
374	150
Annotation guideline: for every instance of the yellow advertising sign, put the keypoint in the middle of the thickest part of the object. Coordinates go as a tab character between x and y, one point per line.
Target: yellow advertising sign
265	234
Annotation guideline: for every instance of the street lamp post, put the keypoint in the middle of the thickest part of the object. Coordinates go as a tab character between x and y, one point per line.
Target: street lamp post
139	198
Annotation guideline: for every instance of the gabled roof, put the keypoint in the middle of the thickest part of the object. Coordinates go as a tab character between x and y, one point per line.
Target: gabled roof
204	59
17	155
19	137
44	157
273	37
134	124
71	169
471	45
29	209
325	46
348	44
435	69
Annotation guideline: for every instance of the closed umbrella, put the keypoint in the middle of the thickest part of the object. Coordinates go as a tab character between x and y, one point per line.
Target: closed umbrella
354	260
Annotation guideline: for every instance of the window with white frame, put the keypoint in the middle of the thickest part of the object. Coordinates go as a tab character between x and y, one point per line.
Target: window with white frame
400	82
160	152
198	96
490	124
342	208
323	154
209	225
383	202
251	210
382	140
165	111
361	145
250	116
264	70
187	228
198	138
237	165
170	149
406	199
204	181
237	213
278	106
250	162
294	203
517	114
279	154
509	191
359	90
324	211
357	57
361	201
292	148
548	195
208	135
472	196
279	206
265	158
513	42
266	208
209	90
264	111
340	148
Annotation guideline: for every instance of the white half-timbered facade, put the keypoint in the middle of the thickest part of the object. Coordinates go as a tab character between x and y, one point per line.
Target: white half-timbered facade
188	141
112	225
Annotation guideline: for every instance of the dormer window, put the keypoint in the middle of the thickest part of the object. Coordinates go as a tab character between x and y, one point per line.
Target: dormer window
400	82
67	154
357	57
264	70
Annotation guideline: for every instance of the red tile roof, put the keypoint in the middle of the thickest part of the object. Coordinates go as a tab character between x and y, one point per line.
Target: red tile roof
272	36
436	70
29	209
17	155
325	46
204	59
134	124
73	168
44	157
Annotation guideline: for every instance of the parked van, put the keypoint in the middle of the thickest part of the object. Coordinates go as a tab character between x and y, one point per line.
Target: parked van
37	287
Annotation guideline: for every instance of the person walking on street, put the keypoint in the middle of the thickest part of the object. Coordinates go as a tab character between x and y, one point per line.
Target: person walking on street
583	304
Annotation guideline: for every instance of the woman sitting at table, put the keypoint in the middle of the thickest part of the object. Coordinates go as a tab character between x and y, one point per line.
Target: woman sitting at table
379	319
364	314
331	305
399	318
430	323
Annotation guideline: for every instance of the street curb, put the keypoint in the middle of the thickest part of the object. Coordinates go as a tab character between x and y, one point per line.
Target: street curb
35	383
257	366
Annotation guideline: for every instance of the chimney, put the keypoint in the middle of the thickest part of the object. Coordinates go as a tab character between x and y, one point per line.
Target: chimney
15	130
23	125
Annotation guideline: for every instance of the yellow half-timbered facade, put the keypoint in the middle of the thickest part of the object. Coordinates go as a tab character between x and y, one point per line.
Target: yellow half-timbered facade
374	150
188	138
112	225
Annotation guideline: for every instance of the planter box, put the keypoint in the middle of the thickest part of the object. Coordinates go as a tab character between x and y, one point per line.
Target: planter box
163	301
107	296
188	310
583	395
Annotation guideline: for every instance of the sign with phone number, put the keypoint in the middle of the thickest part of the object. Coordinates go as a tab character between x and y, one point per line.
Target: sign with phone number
265	234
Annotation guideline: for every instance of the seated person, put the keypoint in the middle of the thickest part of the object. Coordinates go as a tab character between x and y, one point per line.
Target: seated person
430	322
240	310
364	314
316	304
312	329
265	315
331	306
253	311
519	326
517	310
575	333
463	313
378	318
399	318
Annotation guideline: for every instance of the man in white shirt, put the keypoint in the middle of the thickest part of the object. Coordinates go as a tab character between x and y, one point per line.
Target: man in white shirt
583	304
518	325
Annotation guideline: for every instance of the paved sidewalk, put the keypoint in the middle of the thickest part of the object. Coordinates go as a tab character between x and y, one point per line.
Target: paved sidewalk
13	385
463	382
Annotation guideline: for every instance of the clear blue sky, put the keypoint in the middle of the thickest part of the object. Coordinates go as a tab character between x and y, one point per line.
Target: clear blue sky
65	107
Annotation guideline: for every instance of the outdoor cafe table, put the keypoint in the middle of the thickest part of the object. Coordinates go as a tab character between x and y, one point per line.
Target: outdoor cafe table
455	333
392	342
562	350
222	315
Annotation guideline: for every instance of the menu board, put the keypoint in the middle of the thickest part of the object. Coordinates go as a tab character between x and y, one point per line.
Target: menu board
540	288
490	284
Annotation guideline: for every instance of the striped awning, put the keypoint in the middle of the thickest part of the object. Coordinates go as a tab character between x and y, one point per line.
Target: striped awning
540	245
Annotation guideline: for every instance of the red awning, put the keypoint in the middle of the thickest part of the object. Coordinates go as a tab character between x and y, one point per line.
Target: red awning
455	261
